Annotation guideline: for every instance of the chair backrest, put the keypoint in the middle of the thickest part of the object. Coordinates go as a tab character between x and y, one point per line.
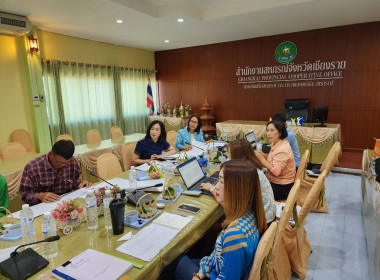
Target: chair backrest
108	166
93	138
116	134
127	151
171	137
287	212
302	167
332	157
262	252
23	137
312	196
13	150
64	137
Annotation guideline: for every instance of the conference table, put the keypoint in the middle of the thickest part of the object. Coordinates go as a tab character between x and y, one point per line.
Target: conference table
81	238
318	140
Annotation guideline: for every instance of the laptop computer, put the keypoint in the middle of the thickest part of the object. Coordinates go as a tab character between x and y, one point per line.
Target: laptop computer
193	176
250	136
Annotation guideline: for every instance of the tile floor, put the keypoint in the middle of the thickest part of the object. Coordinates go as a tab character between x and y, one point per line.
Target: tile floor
337	238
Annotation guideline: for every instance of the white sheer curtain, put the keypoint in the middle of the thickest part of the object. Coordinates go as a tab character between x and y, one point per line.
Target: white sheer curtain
134	84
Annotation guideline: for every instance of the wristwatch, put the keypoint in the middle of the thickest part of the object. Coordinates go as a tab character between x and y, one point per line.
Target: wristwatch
212	189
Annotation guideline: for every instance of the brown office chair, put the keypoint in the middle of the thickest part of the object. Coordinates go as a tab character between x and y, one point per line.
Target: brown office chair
93	138
281	269
13	150
263	255
64	137
23	137
171	138
295	238
108	166
116	134
127	151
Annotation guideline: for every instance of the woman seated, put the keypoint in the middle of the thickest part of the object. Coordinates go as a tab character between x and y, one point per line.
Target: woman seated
191	132
280	164
238	192
242	149
152	145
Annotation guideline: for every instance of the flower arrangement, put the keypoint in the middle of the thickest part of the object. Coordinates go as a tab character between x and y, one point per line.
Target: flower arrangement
187	107
154	172
68	210
101	192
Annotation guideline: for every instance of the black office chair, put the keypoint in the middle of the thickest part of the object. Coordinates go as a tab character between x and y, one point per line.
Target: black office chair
295	108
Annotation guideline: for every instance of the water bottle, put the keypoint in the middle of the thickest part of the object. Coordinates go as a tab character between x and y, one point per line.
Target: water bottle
91	210
27	225
49	228
132	179
106	204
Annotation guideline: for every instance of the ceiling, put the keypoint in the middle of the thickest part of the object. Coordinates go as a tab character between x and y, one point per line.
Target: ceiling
148	23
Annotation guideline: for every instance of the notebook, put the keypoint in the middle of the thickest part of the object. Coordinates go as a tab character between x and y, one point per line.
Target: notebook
193	176
92	265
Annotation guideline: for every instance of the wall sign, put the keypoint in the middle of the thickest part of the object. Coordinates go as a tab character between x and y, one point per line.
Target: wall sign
285	52
288	75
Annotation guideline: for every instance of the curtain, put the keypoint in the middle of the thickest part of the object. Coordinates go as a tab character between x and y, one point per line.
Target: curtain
134	84
84	96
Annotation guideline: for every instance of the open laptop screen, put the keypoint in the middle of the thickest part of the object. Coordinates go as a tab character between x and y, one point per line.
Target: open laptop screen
251	137
191	172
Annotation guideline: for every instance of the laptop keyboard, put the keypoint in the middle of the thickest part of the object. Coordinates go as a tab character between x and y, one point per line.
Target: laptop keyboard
210	180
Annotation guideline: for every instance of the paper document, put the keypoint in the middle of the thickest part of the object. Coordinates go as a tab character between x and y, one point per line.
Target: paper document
91	265
172	220
5	253
148	242
41	208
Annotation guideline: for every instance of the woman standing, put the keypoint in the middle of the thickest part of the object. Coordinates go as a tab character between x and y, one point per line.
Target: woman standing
153	144
280	164
191	132
238	192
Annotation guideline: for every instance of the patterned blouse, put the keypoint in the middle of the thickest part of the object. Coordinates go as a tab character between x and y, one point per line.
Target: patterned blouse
234	250
268	197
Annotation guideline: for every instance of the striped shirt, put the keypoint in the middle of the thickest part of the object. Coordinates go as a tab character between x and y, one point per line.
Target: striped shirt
39	176
234	250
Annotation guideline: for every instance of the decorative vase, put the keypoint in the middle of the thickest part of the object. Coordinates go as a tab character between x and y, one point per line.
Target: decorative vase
186	113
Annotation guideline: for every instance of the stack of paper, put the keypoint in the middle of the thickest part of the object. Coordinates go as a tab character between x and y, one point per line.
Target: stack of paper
149	241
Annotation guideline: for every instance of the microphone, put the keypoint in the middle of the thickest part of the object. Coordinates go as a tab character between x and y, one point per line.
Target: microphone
93	174
49	239
22	265
194	146
213	137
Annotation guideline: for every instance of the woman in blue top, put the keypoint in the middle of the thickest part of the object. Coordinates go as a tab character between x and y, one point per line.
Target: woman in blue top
153	144
238	191
191	131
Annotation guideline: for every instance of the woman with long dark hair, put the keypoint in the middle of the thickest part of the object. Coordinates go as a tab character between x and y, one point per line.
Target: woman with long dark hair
191	131
153	144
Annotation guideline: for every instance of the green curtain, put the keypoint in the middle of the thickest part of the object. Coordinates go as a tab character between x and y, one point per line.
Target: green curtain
85	96
134	84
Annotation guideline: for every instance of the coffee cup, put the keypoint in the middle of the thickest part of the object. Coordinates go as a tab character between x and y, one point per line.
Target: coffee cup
131	217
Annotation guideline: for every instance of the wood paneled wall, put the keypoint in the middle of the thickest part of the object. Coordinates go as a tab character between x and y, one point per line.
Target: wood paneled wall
191	74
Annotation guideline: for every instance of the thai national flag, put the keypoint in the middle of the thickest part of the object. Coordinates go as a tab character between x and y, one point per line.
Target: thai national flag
149	98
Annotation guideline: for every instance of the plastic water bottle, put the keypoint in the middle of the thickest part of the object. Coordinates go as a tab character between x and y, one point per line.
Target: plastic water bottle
106	204
49	228
132	179
91	210
27	225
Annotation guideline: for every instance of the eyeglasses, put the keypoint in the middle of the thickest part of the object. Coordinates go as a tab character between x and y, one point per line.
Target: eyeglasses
194	122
